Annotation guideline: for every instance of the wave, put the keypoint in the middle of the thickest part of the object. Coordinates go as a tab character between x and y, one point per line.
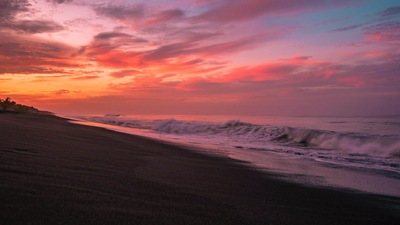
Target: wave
348	143
118	120
351	143
231	127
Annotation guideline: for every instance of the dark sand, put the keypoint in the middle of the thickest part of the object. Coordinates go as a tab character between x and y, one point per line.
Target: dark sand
55	172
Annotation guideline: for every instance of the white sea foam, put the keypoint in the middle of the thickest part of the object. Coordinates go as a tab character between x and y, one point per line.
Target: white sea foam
354	143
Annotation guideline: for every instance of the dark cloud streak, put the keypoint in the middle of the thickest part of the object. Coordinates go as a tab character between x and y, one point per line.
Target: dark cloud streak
387	31
36	26
108	35
124	73
10	8
30	70
352	27
91	77
238	10
34	56
166	16
106	42
121	12
59	1
392	11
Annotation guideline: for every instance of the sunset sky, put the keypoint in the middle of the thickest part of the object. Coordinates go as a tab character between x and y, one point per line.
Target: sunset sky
253	57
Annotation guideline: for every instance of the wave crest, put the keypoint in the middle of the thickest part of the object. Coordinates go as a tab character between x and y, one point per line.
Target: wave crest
349	143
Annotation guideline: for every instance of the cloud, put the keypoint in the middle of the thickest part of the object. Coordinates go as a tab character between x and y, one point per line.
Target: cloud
30	70
139	16
391	11
272	71
121	12
10	8
124	73
189	51
192	35
91	77
62	92
123	53
369	74
113	58
105	42
22	55
165	16
237	10
109	35
59	1
115	49
158	22
8	21
268	78
386	31
148	84
300	76
192	47
170	36
169	51
352	27
240	44
35	26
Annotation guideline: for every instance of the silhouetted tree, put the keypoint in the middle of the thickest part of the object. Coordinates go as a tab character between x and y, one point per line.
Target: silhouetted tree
9	105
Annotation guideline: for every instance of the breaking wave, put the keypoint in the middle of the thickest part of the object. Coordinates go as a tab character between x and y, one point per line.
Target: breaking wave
347	143
351	143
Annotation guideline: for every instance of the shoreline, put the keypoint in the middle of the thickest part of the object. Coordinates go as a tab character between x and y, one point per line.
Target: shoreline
57	172
298	170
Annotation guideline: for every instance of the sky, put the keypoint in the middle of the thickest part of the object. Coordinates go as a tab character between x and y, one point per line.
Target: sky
229	57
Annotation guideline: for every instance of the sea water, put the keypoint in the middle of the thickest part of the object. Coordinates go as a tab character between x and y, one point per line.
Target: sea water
346	152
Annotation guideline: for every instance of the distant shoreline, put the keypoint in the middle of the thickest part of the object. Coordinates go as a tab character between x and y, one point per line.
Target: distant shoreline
56	172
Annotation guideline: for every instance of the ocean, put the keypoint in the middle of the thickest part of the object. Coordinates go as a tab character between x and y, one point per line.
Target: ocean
354	153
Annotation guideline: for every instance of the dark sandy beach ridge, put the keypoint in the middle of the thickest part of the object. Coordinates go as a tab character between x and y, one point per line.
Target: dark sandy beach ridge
56	172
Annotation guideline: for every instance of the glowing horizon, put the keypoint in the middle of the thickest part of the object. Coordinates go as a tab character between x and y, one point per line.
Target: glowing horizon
255	57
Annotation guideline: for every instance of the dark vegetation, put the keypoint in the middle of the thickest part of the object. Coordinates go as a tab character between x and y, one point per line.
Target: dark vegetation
7	105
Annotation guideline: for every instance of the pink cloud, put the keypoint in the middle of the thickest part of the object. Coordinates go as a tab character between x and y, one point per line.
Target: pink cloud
165	16
35	26
352	81
273	70
238	10
206	50
10	8
299	75
192	53
384	32
59	1
121	12
20	56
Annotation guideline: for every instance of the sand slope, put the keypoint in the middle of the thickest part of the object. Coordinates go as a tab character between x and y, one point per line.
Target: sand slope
55	172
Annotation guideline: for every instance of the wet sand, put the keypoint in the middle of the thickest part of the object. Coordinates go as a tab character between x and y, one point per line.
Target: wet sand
56	172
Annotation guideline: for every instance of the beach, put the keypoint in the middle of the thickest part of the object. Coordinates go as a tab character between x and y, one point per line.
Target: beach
56	172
